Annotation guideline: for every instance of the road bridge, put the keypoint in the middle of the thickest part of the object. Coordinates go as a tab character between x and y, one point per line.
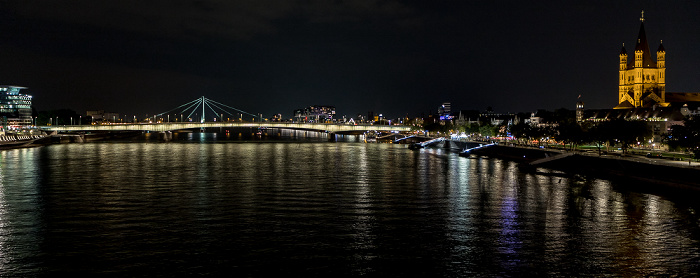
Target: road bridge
163	127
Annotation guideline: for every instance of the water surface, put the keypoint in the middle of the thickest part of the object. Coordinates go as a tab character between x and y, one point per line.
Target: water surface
202	207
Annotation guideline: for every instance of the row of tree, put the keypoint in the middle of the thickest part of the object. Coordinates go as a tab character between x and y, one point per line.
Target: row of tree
685	137
614	133
610	133
617	132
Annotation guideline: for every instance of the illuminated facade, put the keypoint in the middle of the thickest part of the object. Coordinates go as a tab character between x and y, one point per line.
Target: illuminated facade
316	113
445	111
15	107
642	81
579	110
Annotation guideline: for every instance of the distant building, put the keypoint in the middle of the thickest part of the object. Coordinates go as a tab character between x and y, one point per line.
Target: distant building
102	116
15	107
490	117
579	110
316	113
445	111
466	117
659	119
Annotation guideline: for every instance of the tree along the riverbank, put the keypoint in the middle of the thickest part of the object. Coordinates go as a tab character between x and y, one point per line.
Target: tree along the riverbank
685	137
571	133
617	132
525	133
483	130
622	132
60	117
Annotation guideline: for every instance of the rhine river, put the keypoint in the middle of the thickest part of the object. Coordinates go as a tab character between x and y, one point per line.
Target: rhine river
201	206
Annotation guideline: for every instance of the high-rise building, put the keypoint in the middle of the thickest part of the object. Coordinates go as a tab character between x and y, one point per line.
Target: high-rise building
444	111
15	107
642	81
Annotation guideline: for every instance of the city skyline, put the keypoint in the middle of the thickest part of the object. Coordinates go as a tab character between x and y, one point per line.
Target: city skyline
392	57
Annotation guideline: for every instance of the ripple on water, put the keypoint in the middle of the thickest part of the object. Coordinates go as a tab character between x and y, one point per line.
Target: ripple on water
137	209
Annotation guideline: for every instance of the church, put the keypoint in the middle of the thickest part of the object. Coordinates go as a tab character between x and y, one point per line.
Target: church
642	91
642	81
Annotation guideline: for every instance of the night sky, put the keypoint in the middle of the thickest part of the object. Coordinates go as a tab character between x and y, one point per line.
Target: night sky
398	58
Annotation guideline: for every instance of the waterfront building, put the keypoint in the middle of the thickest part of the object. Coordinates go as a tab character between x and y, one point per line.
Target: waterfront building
277	118
315	113
15	107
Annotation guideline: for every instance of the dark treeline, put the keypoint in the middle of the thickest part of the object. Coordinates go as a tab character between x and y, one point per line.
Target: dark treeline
618	133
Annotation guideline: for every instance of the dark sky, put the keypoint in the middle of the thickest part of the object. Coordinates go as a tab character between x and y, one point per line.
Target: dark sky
391	57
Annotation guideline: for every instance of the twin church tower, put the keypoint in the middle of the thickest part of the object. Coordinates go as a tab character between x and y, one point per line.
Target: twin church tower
642	80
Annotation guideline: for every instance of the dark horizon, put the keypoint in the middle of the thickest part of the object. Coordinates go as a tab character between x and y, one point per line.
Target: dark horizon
396	58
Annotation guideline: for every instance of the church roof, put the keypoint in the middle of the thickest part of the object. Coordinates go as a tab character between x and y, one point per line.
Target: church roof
623	51
674	97
647	113
643	45
624	105
661	48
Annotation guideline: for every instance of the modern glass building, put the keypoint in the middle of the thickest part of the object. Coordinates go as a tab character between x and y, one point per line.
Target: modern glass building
15	107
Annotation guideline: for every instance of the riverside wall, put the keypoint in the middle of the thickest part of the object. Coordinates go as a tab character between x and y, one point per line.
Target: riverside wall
635	171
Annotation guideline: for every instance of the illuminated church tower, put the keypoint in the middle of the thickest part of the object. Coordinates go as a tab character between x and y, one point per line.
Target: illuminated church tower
642	81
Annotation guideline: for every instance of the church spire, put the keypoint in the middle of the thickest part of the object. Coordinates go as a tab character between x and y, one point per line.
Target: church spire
643	46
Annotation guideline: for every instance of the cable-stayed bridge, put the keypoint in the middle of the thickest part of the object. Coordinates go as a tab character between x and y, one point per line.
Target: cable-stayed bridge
162	127
220	116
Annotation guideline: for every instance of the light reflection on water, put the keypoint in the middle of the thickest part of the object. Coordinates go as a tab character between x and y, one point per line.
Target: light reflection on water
133	209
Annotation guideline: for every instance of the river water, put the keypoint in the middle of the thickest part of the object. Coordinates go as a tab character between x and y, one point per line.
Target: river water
198	206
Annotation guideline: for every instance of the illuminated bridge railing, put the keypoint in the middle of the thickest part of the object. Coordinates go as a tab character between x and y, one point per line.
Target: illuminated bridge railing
177	126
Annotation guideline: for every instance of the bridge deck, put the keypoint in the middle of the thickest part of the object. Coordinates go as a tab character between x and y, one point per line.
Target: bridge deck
176	126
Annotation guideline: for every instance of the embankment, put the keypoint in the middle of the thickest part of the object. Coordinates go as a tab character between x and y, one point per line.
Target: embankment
631	170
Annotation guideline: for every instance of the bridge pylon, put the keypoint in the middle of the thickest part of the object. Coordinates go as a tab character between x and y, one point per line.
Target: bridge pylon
203	105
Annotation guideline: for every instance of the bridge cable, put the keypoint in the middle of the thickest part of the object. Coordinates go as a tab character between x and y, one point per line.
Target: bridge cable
195	109
193	106
212	110
227	112
189	103
188	108
219	103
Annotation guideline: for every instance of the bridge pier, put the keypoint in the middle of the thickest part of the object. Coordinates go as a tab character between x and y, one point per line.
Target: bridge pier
165	136
332	137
